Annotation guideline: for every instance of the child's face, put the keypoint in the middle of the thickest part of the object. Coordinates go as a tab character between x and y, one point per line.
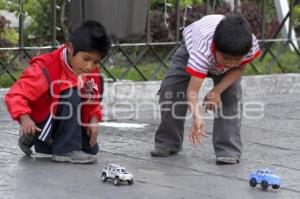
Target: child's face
228	61
83	62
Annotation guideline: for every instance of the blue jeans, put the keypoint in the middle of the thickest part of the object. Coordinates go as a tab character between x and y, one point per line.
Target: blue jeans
64	135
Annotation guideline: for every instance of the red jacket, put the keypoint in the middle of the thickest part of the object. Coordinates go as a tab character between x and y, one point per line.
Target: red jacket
32	94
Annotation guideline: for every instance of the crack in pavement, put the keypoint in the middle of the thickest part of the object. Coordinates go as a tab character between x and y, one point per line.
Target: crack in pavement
193	169
272	146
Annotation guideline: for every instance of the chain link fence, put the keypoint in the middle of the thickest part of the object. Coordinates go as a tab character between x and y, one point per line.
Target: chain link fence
147	58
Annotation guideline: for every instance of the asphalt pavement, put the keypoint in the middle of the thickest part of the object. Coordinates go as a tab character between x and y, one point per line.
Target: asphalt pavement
269	142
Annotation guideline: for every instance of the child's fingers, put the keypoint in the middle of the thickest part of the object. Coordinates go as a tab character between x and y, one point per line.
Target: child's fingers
205	134
38	129
32	129
93	139
191	137
194	138
208	107
88	132
198	138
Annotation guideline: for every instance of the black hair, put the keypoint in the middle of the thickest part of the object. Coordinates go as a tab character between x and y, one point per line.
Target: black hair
233	36
90	36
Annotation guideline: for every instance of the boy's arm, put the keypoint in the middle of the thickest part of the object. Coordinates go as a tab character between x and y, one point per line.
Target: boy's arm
229	78
96	112
197	129
213	99
93	116
31	85
192	96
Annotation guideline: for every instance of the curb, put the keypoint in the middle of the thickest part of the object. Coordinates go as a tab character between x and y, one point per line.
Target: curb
124	97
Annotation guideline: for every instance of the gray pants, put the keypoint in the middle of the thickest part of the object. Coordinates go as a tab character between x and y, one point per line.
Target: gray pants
226	131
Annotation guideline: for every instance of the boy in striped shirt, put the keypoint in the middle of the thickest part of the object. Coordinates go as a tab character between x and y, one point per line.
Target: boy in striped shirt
215	46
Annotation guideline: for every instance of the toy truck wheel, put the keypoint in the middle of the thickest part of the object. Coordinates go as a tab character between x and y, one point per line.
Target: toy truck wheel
103	177
253	182
264	184
130	182
117	181
275	186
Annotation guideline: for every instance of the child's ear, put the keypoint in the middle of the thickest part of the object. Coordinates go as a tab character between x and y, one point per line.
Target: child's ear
70	48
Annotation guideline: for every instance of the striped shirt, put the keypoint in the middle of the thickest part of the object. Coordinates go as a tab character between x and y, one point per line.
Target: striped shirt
198	39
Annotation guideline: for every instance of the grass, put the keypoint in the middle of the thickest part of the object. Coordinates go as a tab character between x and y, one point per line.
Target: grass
6	80
147	70
289	61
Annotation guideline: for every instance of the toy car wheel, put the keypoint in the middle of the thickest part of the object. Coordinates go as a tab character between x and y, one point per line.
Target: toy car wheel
116	181
130	182
264	184
253	182
275	186
103	177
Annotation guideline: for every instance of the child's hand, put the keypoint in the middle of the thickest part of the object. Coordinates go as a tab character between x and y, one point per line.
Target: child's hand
197	132
28	126
212	101
92	131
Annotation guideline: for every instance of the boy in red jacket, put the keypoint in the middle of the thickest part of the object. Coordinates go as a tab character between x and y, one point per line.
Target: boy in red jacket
57	98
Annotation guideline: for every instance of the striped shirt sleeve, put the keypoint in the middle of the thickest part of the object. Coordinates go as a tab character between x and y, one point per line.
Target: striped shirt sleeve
253	53
197	62
197	37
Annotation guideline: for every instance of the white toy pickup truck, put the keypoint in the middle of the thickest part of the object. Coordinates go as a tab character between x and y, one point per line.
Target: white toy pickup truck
116	173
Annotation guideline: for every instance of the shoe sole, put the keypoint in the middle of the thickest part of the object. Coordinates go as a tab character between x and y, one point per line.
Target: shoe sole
69	160
224	162
159	154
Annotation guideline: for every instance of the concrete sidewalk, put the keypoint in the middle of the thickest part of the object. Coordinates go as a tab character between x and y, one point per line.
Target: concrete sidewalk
270	142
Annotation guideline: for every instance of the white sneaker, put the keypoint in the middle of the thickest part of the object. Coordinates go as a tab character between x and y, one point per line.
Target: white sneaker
75	157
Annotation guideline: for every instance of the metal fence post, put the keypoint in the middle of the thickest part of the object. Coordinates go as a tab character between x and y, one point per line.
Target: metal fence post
53	24
177	19
290	20
263	17
207	6
21	31
148	36
149	46
236	3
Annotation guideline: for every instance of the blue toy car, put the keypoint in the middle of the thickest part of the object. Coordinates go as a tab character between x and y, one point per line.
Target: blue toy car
264	177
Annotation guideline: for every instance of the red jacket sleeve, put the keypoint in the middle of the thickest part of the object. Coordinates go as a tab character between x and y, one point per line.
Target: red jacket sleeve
29	87
94	110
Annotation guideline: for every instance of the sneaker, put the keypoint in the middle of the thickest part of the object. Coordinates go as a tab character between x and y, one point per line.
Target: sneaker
25	143
159	152
226	160
75	157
